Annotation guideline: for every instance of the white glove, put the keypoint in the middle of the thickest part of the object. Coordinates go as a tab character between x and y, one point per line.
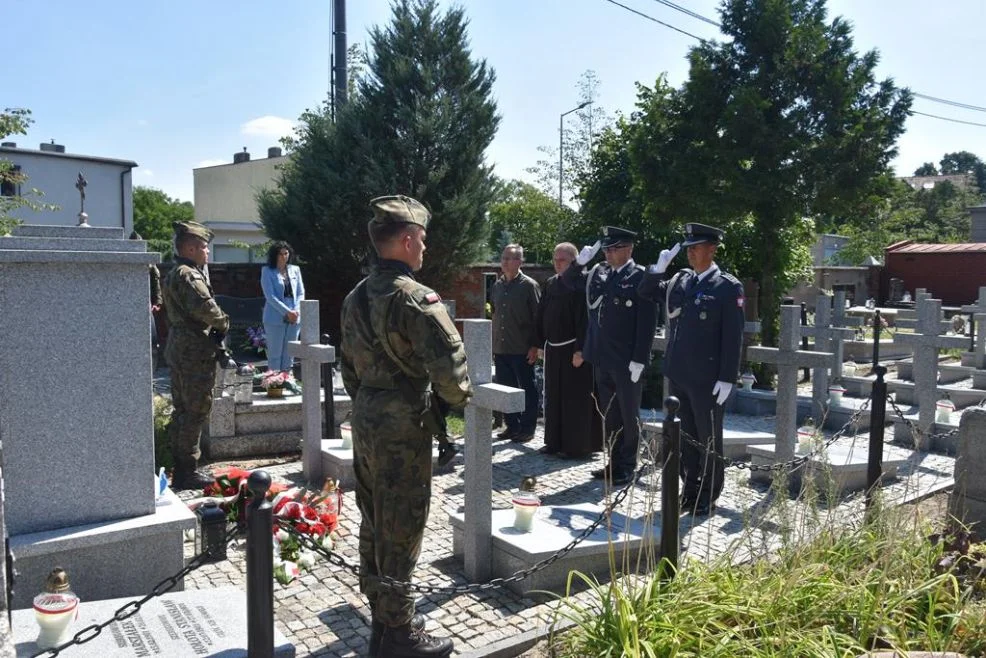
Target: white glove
635	370
667	255
587	253
721	392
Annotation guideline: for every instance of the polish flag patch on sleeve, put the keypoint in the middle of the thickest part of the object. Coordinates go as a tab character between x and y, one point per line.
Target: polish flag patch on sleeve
740	301
432	297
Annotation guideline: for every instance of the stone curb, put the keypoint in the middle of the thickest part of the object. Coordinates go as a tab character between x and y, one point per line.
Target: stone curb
518	644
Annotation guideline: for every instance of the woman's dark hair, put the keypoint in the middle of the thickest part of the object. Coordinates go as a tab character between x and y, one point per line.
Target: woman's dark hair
275	249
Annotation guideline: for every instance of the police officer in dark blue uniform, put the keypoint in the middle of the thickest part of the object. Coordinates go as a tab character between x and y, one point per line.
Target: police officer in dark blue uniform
618	342
704	314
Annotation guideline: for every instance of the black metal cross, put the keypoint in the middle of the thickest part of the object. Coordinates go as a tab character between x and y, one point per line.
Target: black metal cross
80	185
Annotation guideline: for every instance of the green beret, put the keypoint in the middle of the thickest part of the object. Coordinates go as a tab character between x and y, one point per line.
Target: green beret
399	209
192	228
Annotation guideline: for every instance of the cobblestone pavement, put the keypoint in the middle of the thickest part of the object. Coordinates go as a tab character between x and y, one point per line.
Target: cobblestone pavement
324	614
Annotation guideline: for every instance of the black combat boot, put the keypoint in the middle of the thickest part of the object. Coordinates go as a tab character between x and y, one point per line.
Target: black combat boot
409	642
417	621
188	478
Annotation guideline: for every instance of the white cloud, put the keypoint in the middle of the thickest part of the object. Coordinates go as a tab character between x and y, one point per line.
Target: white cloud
268	126
211	163
147	172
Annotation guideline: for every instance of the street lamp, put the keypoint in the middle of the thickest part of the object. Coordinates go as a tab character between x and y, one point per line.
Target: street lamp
561	148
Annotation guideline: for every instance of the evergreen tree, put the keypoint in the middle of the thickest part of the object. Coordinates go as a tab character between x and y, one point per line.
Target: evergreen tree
419	125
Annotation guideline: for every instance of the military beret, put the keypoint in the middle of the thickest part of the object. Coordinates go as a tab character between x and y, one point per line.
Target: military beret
614	235
696	233
399	209
194	229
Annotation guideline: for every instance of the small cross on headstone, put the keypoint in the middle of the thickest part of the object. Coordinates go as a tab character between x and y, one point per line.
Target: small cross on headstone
827	338
80	184
487	398
788	359
926	341
312	354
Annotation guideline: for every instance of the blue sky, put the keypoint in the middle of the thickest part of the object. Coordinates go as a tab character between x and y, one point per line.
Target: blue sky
179	84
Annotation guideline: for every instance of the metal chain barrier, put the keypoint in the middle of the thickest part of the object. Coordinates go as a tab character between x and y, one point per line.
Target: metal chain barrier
791	464
917	431
133	607
339	561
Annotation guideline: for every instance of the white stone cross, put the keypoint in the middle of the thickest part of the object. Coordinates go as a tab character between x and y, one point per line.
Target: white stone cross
839	317
979	306
827	338
979	353
487	398
312	354
788	359
926	341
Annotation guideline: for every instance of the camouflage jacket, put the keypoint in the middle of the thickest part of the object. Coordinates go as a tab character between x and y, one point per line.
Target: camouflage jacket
418	331
192	312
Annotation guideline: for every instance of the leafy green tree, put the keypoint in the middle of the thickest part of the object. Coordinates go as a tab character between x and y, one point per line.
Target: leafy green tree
15	121
964	162
782	122
927	169
154	214
524	214
419	125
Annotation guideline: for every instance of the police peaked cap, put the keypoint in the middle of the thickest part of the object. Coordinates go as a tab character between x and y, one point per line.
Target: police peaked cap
614	235
194	229
399	209
699	233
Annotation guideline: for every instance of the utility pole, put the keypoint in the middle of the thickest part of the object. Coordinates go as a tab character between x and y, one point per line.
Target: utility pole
338	78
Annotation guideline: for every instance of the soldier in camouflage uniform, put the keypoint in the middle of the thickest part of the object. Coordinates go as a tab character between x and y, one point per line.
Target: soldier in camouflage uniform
397	343
193	320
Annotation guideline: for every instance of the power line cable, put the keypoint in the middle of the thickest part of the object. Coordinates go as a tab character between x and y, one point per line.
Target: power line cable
689	12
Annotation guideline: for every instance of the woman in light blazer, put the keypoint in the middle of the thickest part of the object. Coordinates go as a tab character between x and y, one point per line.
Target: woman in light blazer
283	290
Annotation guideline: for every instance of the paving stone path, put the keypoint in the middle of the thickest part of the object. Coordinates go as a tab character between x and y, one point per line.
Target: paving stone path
324	614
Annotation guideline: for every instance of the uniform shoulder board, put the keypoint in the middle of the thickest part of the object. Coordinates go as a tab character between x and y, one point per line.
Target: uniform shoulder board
729	277
639	267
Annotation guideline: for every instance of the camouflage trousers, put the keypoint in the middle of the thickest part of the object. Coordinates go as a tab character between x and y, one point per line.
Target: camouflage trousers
191	395
392	464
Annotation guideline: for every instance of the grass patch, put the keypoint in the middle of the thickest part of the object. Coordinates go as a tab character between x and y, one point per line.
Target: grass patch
882	585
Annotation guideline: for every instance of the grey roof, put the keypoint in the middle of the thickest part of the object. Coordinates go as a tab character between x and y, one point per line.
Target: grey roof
4	150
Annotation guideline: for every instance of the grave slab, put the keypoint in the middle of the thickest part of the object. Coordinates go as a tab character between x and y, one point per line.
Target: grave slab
337	462
175	625
554	528
840	469
734	441
948	373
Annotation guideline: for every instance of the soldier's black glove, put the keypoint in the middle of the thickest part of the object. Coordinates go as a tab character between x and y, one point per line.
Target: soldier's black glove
223	356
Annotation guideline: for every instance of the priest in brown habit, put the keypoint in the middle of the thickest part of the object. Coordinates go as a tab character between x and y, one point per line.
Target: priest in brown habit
572	424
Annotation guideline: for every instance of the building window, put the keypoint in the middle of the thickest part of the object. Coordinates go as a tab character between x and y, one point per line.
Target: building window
10	187
222	253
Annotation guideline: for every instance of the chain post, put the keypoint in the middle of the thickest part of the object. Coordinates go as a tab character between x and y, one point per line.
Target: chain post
806	373
329	407
972	331
670	510
878	418
260	568
877	321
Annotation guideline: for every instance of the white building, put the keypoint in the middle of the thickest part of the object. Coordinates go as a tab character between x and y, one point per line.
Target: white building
109	189
226	202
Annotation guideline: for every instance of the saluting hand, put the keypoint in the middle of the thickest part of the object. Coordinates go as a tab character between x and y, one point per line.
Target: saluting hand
664	259
588	253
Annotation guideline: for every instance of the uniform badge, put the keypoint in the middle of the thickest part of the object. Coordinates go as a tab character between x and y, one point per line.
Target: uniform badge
702	315
629	303
616	300
740	301
432	297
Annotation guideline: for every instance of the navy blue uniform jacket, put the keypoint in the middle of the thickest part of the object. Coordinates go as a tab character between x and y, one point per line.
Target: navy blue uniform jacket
621	322
705	337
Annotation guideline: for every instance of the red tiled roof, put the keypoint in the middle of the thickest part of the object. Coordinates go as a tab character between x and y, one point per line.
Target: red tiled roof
908	247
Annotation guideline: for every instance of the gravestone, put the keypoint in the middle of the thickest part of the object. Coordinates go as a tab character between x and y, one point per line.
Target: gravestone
828	338
243	312
209	622
967	501
925	343
839	316
788	359
312	354
976	328
76	413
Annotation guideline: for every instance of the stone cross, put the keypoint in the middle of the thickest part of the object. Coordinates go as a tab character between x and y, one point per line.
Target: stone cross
487	398
827	338
839	317
80	184
978	360
925	341
788	359
312	354
973	310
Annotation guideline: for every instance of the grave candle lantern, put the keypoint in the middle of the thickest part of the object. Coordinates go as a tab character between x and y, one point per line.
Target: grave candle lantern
55	609
944	409
210	538
346	431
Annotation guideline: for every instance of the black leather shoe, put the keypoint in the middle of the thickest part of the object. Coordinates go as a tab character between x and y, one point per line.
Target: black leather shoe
622	479
188	479
701	508
600	473
506	434
409	642
522	437
376	636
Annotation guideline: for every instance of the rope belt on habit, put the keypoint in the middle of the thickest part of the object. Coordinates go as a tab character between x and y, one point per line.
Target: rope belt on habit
561	344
